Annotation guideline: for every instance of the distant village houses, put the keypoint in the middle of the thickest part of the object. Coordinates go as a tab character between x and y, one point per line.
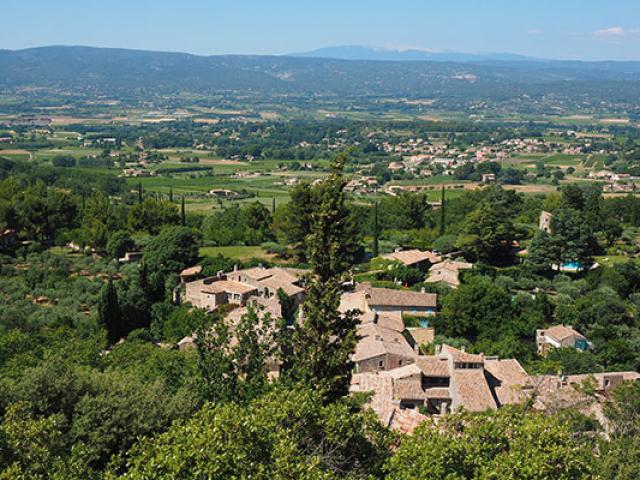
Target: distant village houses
560	336
368	299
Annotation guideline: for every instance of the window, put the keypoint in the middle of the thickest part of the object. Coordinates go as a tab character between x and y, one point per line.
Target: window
407	405
434	382
381	363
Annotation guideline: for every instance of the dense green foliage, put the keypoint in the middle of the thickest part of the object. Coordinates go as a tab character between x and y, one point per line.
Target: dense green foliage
89	388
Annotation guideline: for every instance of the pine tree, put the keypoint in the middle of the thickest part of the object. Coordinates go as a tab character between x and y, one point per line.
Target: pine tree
109	312
183	214
443	224
376	233
325	340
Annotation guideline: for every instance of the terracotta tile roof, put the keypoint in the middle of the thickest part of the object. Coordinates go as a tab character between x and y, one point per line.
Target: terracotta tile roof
285	275
448	272
441	393
402	372
376	341
412	257
408	390
473	392
405	421
275	283
390	320
256	273
188	272
508	379
400	298
433	366
381	386
562	332
451	265
449	277
353	301
459	356
221	286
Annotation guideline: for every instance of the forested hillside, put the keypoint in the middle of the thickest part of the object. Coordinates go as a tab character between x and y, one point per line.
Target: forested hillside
116	71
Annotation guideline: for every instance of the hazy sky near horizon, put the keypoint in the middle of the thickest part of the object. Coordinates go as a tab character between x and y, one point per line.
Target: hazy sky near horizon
567	29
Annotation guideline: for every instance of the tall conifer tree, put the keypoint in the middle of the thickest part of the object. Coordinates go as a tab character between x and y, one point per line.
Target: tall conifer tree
443	225
324	342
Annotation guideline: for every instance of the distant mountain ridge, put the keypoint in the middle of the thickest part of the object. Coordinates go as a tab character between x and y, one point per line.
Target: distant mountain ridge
144	74
358	52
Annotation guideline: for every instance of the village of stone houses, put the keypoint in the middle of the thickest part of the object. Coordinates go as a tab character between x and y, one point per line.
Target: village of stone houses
353	263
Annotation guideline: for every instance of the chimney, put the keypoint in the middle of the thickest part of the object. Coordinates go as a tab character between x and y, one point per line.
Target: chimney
463	349
235	267
422	290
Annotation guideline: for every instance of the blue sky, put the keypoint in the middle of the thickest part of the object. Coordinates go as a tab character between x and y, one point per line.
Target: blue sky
576	29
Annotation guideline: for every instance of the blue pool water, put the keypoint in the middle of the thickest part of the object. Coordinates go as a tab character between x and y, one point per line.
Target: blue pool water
573	266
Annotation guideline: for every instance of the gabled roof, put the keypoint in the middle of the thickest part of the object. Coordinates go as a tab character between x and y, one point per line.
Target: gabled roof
400	298
283	275
274	283
405	421
413	257
562	332
188	272
403	372
376	341
228	286
255	273
390	320
432	366
459	356
448	272
508	380
472	390
449	277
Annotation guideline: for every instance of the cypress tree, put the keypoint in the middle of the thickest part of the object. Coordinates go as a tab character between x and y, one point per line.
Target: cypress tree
273	205
183	213
139	192
376	233
324	342
109	312
284	330
171	194
442	213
